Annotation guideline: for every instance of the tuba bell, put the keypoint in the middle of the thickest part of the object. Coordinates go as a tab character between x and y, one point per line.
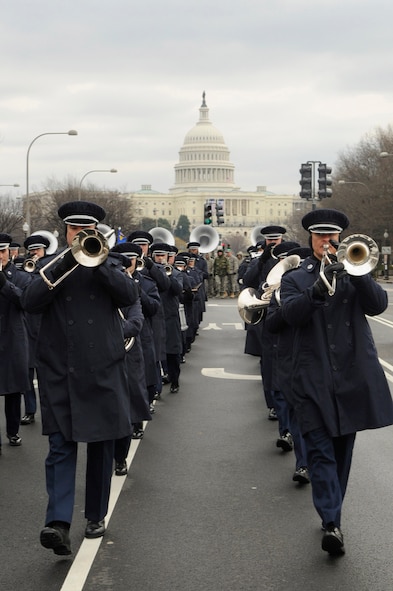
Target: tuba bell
207	237
256	235
53	242
162	235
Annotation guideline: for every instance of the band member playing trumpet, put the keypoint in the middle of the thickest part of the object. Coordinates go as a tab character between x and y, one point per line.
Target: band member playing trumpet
140	359
82	374
170	302
338	384
35	246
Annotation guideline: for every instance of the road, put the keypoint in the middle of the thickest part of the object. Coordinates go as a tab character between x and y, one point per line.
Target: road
209	503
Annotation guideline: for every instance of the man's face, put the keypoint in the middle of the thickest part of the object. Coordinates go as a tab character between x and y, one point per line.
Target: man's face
145	249
273	241
72	231
161	259
194	250
132	266
319	242
4	256
36	252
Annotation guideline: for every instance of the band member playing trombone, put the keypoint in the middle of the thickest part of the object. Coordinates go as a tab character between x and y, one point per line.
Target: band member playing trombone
81	369
338	384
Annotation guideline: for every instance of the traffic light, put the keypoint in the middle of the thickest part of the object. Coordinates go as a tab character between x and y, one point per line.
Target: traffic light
306	181
324	181
207	218
220	211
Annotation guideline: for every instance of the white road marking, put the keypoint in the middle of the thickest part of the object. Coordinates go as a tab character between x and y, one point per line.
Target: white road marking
84	559
220	373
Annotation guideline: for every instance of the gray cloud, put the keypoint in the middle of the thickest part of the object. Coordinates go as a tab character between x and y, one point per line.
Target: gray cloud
286	82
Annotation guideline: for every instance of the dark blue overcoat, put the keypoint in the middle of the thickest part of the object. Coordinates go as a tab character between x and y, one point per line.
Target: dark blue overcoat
337	380
80	354
14	351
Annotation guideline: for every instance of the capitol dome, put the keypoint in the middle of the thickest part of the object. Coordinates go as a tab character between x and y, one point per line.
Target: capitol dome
204	158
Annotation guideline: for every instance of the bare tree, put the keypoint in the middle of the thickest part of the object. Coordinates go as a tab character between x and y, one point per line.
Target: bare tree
366	193
44	206
11	218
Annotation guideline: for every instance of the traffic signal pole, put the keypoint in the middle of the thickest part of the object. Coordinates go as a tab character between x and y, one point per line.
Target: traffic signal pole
308	183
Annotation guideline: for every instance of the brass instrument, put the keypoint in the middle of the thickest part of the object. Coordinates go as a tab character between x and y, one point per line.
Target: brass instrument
256	235
252	309
53	243
30	264
168	269
162	235
358	253
207	237
128	341
89	248
140	263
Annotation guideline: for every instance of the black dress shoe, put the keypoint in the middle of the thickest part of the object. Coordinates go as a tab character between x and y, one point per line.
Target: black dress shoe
95	529
121	468
174	388
57	538
333	541
27	419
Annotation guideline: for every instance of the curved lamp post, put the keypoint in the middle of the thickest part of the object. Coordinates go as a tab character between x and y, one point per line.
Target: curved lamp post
89	172
70	132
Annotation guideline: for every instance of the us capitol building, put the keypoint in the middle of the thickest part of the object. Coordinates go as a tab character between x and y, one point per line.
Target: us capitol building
204	172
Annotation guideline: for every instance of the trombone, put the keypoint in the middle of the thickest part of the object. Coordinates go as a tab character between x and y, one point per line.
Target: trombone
89	248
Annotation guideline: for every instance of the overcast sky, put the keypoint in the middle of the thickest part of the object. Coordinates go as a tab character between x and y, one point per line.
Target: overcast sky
286	81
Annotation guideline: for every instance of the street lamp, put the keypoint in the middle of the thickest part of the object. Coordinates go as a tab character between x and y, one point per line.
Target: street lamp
386	251
14	185
385	155
70	132
89	172
342	182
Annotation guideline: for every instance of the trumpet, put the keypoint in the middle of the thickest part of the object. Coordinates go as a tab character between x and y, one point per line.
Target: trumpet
140	263
358	253
128	341
30	264
89	248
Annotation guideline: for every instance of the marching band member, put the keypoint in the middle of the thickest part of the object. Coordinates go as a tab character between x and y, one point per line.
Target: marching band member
157	273
338	384
170	301
35	246
14	364
82	375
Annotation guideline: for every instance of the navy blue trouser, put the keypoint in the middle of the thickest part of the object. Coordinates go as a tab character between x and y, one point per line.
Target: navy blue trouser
12	412
329	461
60	466
30	395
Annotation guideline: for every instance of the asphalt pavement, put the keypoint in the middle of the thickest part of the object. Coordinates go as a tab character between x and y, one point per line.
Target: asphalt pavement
209	503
